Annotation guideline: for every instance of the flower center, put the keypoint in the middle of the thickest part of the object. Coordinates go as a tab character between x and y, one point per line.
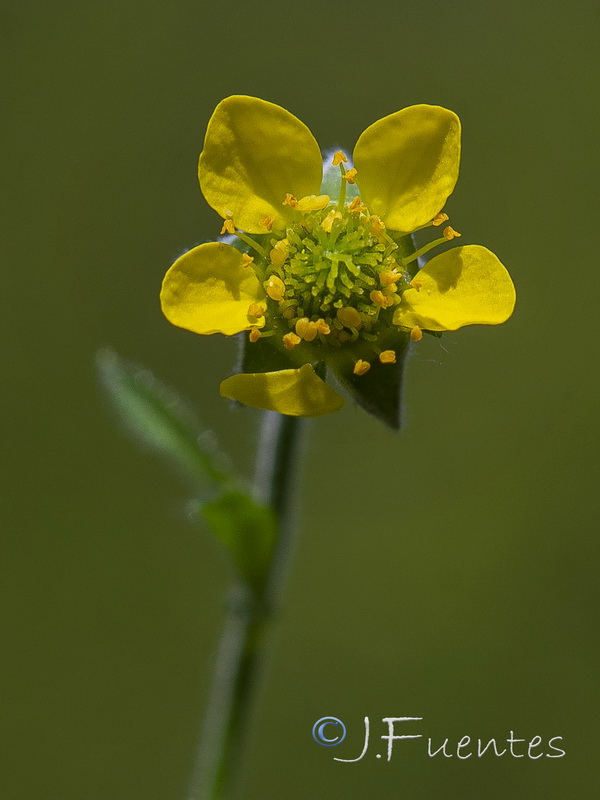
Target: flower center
335	275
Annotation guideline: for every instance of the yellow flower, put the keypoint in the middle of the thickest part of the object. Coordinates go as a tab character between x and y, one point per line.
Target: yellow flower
334	270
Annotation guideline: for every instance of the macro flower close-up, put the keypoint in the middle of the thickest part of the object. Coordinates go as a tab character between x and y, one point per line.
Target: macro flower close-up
319	266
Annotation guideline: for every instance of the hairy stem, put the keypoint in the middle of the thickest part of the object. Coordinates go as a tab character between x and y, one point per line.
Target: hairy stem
242	637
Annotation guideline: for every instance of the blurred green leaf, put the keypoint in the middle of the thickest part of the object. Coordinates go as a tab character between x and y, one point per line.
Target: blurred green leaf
158	417
247	529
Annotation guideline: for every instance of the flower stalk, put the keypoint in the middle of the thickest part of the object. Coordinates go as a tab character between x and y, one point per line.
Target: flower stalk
241	646
322	277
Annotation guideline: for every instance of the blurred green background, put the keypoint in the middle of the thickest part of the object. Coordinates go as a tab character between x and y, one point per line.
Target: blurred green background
447	572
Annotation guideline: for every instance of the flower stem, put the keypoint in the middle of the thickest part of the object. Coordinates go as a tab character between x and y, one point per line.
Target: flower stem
243	634
274	476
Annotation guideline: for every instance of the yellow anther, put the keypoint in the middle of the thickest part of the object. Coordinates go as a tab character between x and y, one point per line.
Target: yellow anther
338	157
301	326
350	175
312	202
349	317
290	340
246	260
357	206
254	335
275	288
377	228
416	334
417	284
290	200
306	329
227	227
322	327
256	310
267	222
387	357
449	233
361	367
311	332
280	252
440	218
389	278
329	219
380	299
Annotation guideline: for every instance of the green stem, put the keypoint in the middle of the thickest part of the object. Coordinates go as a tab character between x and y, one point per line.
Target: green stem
240	646
274	477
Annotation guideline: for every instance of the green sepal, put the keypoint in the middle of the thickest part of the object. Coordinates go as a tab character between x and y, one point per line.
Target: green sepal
406	247
247	529
378	391
159	418
265	356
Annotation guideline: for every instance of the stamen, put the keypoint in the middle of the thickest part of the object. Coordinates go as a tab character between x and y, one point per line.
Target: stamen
380	299
387	357
312	202
290	200
228	226
280	252
416	283
323	327
377	228
301	326
254	335
267	222
449	233
389	278
361	367
246	260
256	310
425	249
357	206
290	340
416	334
338	157
350	175
275	288
349	317
440	218
329	219
343	185
251	243
306	329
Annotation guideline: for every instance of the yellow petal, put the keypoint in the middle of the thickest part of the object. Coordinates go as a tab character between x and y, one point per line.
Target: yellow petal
407	165
463	286
297	392
255	153
209	290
